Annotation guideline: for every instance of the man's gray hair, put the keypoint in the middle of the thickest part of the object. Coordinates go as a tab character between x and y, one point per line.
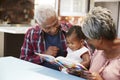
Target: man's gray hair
99	24
44	12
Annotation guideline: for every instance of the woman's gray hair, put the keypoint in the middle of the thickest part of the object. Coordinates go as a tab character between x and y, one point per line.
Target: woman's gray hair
99	24
44	12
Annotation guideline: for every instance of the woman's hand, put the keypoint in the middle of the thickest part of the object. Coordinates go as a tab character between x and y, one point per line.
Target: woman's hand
85	74
96	76
91	76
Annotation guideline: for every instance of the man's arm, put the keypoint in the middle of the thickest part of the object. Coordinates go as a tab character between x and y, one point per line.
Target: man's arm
27	51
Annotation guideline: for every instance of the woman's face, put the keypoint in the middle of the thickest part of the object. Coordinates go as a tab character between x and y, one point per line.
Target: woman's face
73	42
95	42
51	26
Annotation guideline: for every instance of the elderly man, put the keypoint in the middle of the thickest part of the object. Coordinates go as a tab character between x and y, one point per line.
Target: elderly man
46	37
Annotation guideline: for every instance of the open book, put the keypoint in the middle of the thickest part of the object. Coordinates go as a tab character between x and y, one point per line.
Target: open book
63	62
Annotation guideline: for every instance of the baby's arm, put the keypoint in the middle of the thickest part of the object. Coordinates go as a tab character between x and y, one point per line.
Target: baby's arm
86	59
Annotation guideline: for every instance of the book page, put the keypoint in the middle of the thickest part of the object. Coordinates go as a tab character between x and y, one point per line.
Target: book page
46	57
69	63
50	59
64	62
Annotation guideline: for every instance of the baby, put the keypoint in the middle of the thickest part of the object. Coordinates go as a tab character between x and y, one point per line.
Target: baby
77	52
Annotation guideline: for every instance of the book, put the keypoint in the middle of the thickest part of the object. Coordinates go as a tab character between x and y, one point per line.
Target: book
63	62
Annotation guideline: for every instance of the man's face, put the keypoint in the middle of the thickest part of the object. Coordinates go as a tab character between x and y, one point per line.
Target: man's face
51	26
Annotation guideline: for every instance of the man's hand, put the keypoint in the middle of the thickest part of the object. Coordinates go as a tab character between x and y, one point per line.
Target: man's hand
52	50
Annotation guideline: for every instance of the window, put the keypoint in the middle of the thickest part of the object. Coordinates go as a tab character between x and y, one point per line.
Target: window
73	7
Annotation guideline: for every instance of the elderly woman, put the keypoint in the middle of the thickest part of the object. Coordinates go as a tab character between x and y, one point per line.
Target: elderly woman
46	37
100	31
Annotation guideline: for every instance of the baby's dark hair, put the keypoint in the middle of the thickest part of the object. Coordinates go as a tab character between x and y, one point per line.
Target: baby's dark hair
77	30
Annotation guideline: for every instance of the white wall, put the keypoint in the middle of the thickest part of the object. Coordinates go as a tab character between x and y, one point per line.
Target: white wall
106	0
119	24
1	44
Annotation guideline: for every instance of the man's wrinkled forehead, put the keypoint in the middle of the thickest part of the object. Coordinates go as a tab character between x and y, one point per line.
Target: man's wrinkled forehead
49	25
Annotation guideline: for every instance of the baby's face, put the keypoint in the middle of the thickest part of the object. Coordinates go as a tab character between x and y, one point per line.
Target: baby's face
73	43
